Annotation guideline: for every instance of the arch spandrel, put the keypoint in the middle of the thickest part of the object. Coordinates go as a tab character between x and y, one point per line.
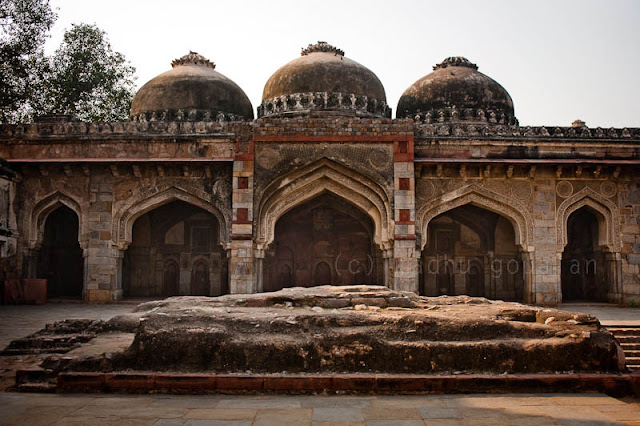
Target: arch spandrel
608	218
141	203
305	184
516	213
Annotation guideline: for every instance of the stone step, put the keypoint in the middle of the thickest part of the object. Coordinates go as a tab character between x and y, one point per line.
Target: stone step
627	331
627	339
630	346
38	387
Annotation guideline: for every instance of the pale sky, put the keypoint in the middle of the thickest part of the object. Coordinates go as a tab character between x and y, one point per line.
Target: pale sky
559	60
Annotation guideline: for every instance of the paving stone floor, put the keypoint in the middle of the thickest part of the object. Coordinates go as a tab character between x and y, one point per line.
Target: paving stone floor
512	409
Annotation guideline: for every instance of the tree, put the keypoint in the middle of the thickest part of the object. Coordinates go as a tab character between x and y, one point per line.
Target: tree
86	78
24	25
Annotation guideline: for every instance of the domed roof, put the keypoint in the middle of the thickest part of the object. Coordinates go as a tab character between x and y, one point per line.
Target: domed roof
192	90
322	79
456	91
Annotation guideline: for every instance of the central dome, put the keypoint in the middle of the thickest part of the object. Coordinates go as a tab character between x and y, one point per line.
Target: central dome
322	79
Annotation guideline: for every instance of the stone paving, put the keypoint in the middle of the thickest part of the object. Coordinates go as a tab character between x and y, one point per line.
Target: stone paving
511	409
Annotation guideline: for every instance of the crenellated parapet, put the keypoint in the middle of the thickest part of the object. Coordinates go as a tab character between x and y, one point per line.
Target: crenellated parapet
475	131
304	103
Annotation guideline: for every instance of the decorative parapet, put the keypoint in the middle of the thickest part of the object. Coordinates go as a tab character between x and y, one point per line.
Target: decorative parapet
60	130
192	115
305	103
464	116
314	126
472	131
331	127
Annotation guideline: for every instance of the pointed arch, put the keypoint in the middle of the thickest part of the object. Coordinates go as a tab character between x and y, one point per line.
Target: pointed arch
307	183
510	209
606	212
141	203
41	211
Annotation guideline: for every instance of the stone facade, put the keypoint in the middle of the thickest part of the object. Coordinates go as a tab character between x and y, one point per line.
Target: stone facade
402	175
193	196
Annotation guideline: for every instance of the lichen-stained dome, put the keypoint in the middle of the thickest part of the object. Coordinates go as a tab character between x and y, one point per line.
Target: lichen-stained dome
457	91
323	79
192	91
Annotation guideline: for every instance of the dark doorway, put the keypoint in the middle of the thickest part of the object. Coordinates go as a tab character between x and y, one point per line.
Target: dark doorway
200	279
175	250
472	251
171	285
60	258
583	267
324	241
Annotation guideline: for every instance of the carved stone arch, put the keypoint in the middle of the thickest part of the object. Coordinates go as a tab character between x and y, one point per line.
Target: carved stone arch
607	214
41	211
141	203
513	211
302	185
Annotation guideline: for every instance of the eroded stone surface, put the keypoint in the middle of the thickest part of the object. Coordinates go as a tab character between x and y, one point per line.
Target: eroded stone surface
360	329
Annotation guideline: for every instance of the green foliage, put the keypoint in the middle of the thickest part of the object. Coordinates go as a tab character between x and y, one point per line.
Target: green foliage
24	25
86	78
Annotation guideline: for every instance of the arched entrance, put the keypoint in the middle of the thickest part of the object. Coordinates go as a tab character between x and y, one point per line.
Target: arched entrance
583	274
174	250
60	256
326	240
471	250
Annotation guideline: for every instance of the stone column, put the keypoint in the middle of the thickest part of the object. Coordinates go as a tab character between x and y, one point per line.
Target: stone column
405	258
545	260
103	263
242	277
613	263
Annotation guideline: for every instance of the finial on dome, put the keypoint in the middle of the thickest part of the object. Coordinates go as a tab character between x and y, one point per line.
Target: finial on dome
193	58
455	61
322	46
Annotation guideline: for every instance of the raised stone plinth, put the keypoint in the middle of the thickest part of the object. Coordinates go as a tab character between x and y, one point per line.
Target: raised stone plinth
356	329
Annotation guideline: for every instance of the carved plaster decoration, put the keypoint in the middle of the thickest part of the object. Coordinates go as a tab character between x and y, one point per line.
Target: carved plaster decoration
519	216
522	189
379	158
608	188
268	157
424	189
37	217
302	185
145	200
564	189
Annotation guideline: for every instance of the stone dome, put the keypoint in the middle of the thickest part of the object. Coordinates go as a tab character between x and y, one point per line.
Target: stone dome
457	92
192	91
322	79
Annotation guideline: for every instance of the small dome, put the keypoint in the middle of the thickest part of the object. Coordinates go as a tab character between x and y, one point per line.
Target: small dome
192	90
456	91
322	79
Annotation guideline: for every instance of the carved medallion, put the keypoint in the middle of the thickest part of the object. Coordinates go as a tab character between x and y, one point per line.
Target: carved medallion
522	190
379	158
268	158
424	189
608	189
564	189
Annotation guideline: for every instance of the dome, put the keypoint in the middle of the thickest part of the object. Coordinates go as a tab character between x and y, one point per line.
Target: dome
192	90
456	92
322	79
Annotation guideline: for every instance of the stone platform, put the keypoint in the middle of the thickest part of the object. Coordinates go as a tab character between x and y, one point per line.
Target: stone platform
334	330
